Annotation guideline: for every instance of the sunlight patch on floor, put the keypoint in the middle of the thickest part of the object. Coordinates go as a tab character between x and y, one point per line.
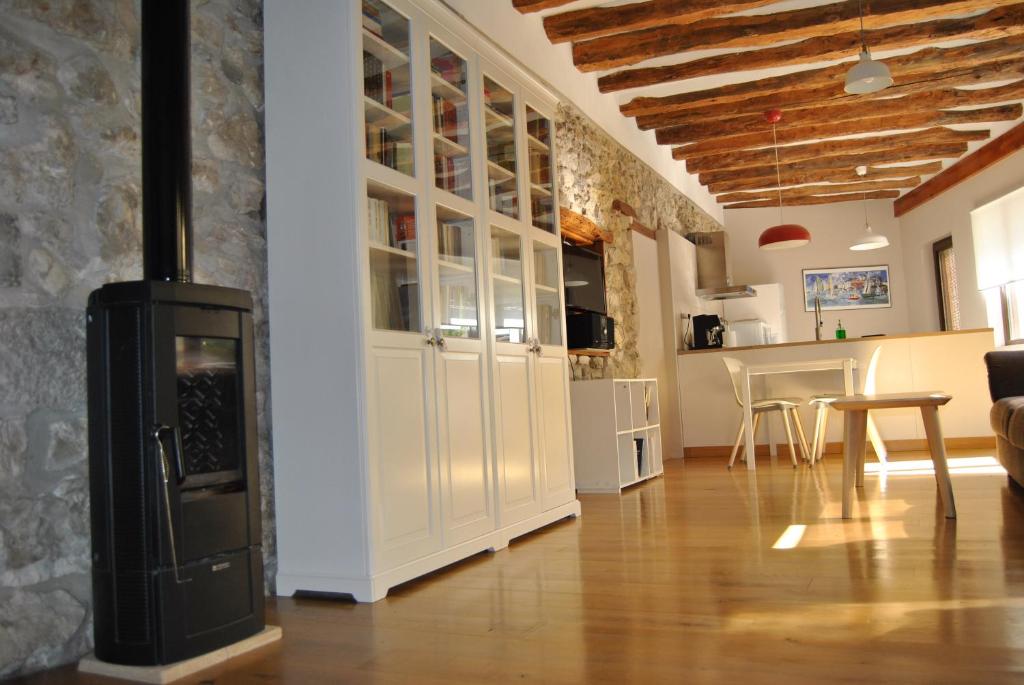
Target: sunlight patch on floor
924	467
790	537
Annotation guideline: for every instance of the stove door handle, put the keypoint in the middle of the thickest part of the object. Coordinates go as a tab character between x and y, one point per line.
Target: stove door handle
165	477
179	455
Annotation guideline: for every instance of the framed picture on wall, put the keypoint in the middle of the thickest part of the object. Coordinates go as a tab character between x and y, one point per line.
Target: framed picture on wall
848	287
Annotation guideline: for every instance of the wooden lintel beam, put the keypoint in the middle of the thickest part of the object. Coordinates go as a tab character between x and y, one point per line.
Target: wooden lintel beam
825	130
623	208
593	22
889	23
927	63
527	6
581	229
942	98
817	200
909	153
820	189
842	175
790	154
980	159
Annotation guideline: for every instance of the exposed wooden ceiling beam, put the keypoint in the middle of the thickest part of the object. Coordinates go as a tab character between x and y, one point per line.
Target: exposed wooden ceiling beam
527	6
795	177
834	30
821	189
791	154
797	134
928	61
910	153
846	109
999	23
982	158
751	111
817	200
593	22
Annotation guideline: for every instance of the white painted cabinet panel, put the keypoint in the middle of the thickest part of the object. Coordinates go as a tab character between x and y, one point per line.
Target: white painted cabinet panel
518	473
554	439
465	463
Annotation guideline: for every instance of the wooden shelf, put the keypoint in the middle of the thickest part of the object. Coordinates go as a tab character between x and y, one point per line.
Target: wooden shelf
498	172
381	115
540	190
389	56
455	148
443	88
407	254
454	266
496	117
639	429
537	143
590	352
507	279
545	288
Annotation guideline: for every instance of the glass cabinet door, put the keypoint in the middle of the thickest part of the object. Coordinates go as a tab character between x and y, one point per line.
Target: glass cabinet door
538	138
450	113
499	120
394	252
548	312
456	268
507	286
387	92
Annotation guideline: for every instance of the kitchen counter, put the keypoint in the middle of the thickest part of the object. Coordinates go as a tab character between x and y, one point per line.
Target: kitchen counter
948	361
869	339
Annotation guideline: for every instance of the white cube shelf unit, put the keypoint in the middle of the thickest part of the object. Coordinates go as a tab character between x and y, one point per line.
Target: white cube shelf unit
616	433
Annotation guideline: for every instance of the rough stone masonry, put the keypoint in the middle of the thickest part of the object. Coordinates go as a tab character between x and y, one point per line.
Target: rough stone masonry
70	220
593	171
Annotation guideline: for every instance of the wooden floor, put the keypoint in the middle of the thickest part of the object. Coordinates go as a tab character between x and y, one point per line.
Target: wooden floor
677	581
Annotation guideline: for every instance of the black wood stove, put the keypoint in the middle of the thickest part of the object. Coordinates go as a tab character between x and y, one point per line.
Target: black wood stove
177	562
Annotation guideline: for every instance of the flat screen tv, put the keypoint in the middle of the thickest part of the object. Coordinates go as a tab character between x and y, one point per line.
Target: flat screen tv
583	272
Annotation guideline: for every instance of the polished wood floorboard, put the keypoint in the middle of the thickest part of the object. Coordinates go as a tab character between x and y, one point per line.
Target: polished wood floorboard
677	581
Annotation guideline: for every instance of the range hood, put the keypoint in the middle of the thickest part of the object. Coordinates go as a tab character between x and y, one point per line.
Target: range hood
713	280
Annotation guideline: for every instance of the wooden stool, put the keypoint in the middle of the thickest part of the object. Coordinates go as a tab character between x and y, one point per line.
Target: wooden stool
855	423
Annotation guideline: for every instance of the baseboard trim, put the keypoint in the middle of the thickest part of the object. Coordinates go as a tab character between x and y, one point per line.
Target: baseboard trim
911	445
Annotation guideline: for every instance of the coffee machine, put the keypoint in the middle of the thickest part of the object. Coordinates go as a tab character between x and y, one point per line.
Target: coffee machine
707	331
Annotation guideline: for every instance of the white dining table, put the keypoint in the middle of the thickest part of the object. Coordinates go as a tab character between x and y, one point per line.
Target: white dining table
844	364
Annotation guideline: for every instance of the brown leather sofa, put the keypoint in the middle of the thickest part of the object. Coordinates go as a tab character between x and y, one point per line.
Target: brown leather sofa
1006	385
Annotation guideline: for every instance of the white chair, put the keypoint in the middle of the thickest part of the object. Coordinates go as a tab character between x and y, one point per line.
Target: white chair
784	405
822	404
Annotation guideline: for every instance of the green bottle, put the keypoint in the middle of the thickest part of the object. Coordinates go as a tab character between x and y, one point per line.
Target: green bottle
840	331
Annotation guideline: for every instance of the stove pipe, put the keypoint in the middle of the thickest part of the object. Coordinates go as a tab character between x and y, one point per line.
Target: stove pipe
166	142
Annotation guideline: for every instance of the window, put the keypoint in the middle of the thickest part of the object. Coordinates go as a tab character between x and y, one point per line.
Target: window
998	234
1012	300
946	284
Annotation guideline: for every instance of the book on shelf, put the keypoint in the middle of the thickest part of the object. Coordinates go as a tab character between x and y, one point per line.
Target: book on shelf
537	127
540	167
452	173
450	120
405	231
383	149
371	20
373	77
378	212
449	67
504	201
449	241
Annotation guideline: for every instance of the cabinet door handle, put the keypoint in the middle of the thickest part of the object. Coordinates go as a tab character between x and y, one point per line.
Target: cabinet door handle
430	340
439	339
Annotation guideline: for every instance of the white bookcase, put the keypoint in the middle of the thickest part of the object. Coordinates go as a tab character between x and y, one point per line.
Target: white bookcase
420	376
616	433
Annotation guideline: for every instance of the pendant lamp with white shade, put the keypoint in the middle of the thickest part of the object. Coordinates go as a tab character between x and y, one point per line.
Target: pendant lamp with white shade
782	236
867	75
868	240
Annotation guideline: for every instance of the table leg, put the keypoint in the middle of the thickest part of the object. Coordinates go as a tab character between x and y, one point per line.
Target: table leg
805	449
748	421
937	448
848	385
854	423
862	446
876	441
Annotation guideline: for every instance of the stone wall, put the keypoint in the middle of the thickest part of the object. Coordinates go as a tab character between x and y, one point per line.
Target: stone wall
593	171
70	220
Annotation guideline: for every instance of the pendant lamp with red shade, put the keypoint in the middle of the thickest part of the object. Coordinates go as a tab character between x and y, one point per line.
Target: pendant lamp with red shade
781	236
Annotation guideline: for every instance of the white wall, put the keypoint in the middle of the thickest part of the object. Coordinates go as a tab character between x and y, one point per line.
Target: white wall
523	38
833	227
949	214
